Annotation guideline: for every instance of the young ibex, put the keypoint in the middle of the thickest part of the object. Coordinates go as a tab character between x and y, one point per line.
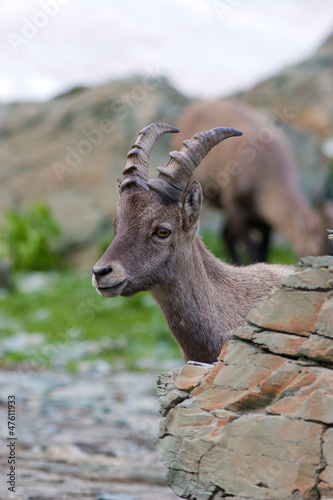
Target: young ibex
157	248
255	181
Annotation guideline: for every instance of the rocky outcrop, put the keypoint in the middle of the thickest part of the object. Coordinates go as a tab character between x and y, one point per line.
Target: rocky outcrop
258	424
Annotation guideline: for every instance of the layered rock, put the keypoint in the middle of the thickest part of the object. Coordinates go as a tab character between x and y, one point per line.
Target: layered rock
258	424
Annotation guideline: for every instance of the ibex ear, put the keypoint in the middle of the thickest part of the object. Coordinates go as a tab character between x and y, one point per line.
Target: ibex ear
191	204
118	186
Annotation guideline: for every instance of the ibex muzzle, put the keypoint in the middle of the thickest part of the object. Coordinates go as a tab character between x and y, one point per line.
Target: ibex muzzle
157	248
110	279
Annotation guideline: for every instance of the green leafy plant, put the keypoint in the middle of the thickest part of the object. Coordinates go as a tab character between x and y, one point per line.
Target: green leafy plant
27	238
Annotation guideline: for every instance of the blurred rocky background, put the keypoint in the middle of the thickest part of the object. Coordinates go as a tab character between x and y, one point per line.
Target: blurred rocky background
81	436
301	96
69	152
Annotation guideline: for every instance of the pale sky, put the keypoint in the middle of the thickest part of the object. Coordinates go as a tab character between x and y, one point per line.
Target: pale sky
207	48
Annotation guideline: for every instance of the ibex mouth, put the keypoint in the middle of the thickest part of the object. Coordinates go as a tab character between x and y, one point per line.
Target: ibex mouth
113	289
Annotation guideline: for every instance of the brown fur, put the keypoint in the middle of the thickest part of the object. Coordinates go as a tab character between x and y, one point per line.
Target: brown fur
201	297
254	179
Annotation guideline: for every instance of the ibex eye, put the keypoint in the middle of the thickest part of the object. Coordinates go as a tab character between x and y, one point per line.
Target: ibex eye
163	233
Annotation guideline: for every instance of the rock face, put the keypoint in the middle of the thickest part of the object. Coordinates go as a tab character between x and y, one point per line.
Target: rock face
258	424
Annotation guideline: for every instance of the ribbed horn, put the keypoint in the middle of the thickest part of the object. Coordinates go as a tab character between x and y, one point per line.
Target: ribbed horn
174	177
137	160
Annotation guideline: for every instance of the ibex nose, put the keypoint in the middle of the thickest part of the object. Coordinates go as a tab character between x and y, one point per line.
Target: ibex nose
102	271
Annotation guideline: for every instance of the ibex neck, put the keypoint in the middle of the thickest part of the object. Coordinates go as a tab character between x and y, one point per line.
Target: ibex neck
208	298
194	304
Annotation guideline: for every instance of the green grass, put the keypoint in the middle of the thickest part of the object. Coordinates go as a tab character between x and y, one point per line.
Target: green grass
67	311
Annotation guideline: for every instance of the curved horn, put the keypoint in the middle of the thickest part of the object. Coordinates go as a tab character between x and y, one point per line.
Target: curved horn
174	177
136	169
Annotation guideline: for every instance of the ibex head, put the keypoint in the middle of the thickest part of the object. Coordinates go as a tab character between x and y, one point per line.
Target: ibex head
155	220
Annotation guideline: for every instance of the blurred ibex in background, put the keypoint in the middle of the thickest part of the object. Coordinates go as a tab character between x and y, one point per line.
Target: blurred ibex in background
157	248
255	181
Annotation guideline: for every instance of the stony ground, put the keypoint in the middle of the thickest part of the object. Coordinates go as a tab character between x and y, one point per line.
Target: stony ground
88	436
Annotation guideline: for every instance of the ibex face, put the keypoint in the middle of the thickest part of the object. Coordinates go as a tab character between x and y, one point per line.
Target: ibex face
155	221
143	254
